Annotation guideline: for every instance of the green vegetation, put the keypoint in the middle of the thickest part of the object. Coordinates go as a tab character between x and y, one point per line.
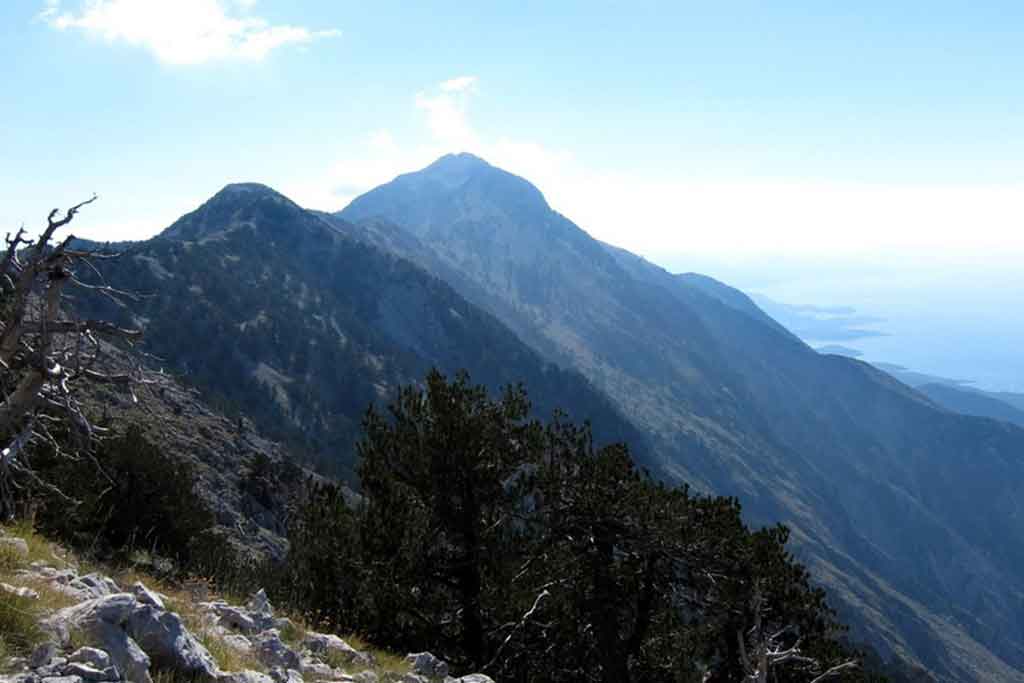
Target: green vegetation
19	616
132	498
19	627
518	548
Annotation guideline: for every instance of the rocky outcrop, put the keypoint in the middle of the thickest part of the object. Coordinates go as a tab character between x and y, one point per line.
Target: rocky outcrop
111	634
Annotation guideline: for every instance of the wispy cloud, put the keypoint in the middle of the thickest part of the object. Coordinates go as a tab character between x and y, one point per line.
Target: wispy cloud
460	84
184	31
447	117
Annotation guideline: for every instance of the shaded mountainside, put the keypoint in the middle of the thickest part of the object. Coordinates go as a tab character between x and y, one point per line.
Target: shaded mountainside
271	311
909	514
969	402
246	481
960	396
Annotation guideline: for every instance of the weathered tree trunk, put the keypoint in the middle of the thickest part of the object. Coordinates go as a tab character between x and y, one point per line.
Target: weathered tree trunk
41	356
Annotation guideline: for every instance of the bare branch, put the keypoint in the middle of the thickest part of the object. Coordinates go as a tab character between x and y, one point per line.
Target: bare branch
836	670
44	356
515	629
53	225
83	326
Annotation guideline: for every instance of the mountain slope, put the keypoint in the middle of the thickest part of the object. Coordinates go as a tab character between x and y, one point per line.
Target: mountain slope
911	515
270	310
961	397
970	402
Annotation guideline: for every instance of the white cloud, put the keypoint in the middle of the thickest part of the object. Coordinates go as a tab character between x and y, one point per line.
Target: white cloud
182	31
460	84
447	119
744	218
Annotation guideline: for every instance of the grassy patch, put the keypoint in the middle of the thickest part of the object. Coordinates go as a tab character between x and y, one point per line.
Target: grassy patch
19	625
10	560
293	633
384	661
50	599
39	549
227	657
77	639
19	616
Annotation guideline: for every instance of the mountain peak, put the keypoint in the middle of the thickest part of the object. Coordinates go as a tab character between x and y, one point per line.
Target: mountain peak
461	161
455	187
454	170
247	190
234	204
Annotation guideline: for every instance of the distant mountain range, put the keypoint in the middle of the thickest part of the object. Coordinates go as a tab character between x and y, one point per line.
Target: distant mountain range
908	513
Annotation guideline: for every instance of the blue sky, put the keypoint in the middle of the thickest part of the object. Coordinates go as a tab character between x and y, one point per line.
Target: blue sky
721	130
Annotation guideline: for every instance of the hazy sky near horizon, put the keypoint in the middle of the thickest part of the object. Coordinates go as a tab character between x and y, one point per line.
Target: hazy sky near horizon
735	130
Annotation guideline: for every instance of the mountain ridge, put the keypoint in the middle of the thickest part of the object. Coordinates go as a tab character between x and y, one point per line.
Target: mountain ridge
740	405
303	326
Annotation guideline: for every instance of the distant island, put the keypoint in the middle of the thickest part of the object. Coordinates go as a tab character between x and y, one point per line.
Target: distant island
839	350
822	323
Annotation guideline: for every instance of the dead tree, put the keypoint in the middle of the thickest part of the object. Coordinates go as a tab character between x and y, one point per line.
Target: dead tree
762	651
46	353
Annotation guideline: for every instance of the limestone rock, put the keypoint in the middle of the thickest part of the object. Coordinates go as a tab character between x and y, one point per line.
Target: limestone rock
286	676
147	597
94	586
92	656
20	591
260	610
245	677
234	618
90	673
164	637
128	657
238	642
324	643
274	653
427	664
42	655
314	668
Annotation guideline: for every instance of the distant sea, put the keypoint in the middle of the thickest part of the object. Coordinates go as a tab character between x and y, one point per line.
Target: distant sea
963	323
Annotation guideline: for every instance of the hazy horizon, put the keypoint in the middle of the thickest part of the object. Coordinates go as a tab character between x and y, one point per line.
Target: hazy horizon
960	321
